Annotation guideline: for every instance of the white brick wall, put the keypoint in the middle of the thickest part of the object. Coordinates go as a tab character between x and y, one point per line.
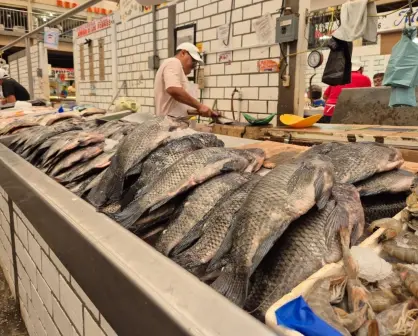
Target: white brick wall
52	303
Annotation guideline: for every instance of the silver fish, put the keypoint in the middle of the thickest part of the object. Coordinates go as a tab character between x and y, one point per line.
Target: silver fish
310	242
197	204
78	172
80	155
286	193
193	169
165	156
215	227
393	182
127	160
92	183
17	125
354	162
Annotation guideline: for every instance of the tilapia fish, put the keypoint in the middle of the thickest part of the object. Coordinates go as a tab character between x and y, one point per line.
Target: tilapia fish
92	111
193	169
354	162
165	156
32	143
80	155
393	181
286	193
15	125
197	204
215	227
99	162
309	243
127	160
58	117
383	205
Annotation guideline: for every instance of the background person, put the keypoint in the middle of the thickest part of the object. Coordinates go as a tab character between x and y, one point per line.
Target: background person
171	84
378	79
315	95
12	90
331	94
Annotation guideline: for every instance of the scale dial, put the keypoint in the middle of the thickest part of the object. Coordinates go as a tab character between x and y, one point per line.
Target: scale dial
315	59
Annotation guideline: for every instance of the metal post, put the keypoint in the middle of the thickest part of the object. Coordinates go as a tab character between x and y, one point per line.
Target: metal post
29	62
171	27
53	22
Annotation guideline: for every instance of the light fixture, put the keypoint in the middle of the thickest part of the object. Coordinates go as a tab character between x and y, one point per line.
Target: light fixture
50	14
44	18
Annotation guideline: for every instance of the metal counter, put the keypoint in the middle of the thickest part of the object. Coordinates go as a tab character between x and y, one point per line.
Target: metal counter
138	290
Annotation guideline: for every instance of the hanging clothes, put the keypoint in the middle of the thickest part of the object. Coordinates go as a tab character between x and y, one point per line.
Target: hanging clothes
358	19
338	68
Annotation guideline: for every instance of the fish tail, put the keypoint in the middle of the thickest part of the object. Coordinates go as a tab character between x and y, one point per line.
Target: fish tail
110	188
233	284
129	215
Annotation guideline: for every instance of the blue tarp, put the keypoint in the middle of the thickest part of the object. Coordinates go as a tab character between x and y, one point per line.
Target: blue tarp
297	315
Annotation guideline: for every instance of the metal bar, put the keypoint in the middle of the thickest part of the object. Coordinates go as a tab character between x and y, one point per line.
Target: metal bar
137	289
29	64
55	21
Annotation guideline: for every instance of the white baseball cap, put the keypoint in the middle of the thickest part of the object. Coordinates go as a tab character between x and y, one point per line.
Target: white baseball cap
192	50
355	66
3	73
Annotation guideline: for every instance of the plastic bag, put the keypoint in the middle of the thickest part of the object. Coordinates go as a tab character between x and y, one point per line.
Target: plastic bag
297	315
338	68
402	69
403	96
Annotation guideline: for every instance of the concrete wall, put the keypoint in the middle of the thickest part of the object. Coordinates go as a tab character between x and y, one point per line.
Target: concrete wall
19	70
51	301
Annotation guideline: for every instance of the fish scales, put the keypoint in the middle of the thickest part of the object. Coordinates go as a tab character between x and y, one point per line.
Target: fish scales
94	182
383	205
394	181
133	149
354	162
306	246
215	227
193	169
165	156
197	204
286	193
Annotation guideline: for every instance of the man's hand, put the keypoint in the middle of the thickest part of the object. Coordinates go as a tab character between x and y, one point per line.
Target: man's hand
206	111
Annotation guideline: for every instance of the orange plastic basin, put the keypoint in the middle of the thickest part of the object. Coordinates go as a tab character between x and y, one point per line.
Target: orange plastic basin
295	121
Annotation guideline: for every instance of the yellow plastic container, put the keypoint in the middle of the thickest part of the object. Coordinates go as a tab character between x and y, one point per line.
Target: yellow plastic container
295	121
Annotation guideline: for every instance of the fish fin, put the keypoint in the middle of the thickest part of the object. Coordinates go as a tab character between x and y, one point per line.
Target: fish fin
109	183
194	234
302	175
236	164
233	284
337	219
128	216
262	250
134	170
321	198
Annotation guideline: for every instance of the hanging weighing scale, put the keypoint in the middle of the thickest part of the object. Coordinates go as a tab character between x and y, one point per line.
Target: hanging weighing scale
315	60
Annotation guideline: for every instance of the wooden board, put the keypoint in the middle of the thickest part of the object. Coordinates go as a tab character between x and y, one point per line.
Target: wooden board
273	148
82	74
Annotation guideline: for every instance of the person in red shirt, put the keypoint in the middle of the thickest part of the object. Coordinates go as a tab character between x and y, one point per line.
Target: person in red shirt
331	94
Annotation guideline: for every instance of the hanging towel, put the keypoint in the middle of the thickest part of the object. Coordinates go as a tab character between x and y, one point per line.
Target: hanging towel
358	19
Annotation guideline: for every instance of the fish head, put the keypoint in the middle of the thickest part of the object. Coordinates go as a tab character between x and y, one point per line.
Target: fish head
259	156
389	158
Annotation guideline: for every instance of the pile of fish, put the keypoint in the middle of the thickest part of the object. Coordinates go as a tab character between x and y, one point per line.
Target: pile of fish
253	238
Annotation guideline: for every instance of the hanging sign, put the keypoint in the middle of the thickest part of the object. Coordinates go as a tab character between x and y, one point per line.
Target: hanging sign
92	27
264	29
51	38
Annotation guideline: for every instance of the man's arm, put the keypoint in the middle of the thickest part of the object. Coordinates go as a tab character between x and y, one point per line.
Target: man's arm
11	99
172	81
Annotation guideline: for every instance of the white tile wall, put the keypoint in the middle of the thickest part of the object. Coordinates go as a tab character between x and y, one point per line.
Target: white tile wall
52	303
